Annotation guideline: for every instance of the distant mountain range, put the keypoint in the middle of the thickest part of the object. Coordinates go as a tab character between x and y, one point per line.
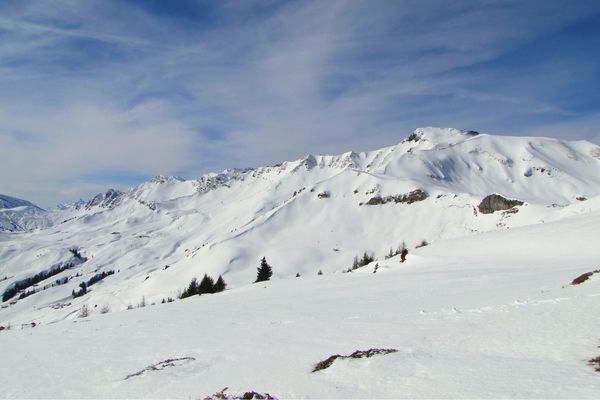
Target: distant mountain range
21	215
312	214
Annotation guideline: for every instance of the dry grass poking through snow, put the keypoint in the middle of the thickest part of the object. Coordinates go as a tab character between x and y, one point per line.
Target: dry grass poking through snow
595	362
171	362
321	365
245	396
584	277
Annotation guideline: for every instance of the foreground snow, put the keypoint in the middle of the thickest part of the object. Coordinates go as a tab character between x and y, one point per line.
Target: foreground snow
488	316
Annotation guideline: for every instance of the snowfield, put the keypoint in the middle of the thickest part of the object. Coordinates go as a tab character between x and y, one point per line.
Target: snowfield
484	311
485	317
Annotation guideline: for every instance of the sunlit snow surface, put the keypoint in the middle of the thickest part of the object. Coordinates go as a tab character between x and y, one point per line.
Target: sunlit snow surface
486	310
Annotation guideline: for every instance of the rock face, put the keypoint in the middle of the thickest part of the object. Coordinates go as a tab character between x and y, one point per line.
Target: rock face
407	198
495	202
105	200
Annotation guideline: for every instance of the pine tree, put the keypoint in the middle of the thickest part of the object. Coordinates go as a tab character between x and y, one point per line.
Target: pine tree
355	263
390	254
191	290
401	248
264	272
220	285
366	259
207	285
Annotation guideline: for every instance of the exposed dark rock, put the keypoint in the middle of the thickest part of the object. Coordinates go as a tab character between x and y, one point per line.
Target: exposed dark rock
413	138
584	277
595	362
321	365
472	133
495	202
221	395
324	364
373	201
581	198
255	395
310	162
414	196
171	362
105	200
406	198
324	195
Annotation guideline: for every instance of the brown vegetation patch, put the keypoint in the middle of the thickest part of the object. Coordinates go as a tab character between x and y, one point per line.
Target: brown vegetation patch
584	277
245	396
324	364
595	362
171	362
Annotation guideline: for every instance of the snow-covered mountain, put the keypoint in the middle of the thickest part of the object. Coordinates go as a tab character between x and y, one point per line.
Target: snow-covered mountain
20	215
312	214
509	219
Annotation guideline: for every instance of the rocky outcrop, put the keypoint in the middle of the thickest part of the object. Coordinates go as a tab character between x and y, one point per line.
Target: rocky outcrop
324	364
495	202
407	198
105	200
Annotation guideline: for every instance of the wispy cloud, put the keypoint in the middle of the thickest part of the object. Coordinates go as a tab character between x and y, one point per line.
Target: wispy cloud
111	87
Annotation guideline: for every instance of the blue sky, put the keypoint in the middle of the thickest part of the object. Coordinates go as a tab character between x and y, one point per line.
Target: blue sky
98	94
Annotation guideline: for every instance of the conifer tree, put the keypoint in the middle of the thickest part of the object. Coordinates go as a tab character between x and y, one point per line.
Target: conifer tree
401	248
220	285
206	285
191	290
366	259
264	272
390	254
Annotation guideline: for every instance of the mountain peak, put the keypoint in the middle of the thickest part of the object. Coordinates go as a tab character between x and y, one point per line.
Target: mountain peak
105	200
20	215
13	202
164	178
437	136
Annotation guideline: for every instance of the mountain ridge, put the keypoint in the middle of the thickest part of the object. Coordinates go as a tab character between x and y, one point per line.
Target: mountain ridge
308	215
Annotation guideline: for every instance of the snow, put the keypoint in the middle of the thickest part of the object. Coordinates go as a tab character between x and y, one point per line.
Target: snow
484	311
479	317
17	215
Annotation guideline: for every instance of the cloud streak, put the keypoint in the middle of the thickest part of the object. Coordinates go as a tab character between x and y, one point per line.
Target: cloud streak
108	88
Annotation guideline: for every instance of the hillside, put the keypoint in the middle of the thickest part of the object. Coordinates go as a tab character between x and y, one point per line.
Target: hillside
489	316
312	214
21	215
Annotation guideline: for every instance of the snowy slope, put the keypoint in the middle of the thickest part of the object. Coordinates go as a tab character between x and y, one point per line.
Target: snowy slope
305	215
19	215
488	316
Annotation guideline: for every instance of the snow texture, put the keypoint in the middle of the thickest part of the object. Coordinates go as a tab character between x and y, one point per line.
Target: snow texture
485	311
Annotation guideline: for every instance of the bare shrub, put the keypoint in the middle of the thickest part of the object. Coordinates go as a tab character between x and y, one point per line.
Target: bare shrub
324	364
